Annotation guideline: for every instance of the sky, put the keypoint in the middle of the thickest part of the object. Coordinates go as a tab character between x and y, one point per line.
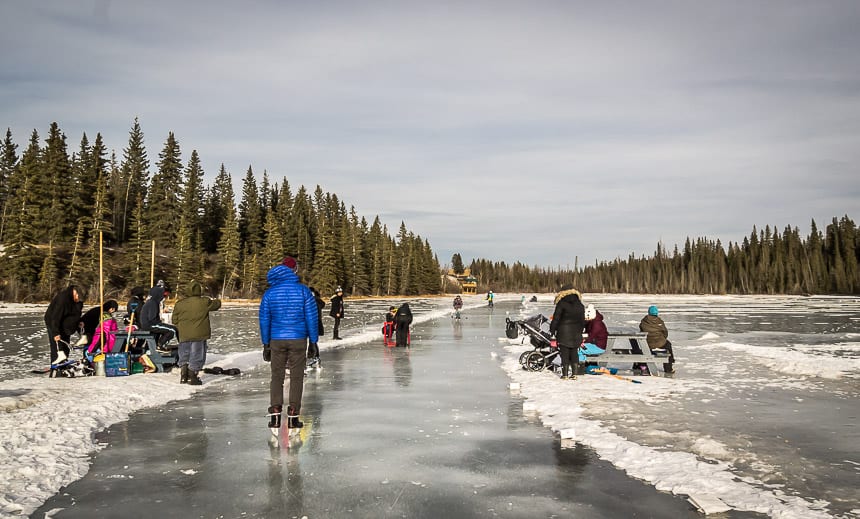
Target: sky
547	133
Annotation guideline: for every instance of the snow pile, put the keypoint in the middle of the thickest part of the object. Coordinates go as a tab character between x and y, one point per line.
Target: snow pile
794	362
559	405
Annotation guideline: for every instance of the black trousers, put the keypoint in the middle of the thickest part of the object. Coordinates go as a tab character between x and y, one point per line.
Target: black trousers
57	347
569	359
402	335
336	328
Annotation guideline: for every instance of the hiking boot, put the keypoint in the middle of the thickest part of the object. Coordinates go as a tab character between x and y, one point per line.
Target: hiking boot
193	379
183	374
293	419
275	416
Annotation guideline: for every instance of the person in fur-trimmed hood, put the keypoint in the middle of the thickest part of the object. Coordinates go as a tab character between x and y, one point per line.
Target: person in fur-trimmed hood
568	321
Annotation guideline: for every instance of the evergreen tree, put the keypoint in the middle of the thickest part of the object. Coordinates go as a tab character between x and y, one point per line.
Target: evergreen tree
218	203
192	201
229	247
250	214
163	204
133	181
8	174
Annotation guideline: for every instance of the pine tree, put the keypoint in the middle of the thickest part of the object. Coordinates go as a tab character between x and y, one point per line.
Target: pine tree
163	205
133	181
192	197
250	214
228	253
56	219
8	174
218	201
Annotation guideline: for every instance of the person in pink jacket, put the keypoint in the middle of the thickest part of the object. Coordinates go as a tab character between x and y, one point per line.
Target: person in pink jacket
108	325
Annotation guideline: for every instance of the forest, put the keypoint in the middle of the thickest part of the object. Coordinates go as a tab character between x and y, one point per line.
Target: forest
65	214
765	262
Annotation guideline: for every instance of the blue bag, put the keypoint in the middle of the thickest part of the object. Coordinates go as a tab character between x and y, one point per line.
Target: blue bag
117	364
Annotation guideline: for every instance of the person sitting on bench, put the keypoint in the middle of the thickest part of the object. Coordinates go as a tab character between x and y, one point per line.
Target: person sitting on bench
596	334
150	317
657	336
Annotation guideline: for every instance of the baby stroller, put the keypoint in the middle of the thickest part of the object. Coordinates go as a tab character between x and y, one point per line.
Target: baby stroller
545	351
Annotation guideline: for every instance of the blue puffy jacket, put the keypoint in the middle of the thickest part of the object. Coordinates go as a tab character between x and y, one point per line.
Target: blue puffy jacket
288	309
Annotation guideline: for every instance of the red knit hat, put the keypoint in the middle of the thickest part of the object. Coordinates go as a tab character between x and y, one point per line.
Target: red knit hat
290	263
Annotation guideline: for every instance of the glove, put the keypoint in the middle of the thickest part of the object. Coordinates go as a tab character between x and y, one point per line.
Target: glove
267	353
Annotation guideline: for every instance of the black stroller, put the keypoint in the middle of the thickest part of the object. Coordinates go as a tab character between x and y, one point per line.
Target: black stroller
537	329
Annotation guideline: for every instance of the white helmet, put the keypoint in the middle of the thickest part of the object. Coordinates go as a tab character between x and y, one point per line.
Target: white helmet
590	312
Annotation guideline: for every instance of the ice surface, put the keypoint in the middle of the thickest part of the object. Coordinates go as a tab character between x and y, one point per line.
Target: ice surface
745	419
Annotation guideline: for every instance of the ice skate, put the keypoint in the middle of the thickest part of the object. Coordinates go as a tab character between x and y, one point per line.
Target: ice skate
275	419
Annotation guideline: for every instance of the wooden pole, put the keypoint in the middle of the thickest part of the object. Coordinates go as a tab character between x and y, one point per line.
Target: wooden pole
101	295
152	268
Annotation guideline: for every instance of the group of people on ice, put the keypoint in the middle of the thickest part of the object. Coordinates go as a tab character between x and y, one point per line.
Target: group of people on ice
98	328
397	322
580	331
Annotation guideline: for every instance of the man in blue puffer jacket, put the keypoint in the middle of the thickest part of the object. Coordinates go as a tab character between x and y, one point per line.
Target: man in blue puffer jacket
288	320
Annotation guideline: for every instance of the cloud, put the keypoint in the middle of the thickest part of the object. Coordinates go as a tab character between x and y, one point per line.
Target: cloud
539	132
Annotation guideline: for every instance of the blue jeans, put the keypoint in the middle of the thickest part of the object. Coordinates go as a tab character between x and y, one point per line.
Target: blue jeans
192	353
589	349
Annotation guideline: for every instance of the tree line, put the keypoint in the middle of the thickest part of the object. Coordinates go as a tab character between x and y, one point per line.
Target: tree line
58	210
765	262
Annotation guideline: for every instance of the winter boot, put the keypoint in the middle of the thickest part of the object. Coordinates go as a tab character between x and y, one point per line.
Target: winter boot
293	419
193	379
183	374
275	417
667	368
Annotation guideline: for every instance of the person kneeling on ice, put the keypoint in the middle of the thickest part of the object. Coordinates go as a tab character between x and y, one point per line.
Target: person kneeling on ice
191	317
657	336
103	335
288	320
596	334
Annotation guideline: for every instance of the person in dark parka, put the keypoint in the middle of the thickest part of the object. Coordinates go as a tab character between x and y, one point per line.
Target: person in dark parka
568	321
150	317
62	318
314	348
658	336
402	320
135	304
337	311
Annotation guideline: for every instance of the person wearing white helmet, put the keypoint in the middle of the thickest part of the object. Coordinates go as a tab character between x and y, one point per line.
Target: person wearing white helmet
596	334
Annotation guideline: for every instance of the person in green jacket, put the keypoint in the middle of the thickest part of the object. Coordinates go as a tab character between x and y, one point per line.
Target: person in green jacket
191	318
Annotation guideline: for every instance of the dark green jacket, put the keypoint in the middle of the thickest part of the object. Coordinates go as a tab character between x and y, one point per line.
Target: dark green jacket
191	315
656	330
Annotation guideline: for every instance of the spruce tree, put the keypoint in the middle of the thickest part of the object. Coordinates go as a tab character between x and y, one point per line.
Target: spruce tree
8	174
163	205
133	182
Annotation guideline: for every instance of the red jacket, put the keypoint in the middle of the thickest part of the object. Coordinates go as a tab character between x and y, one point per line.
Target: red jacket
596	330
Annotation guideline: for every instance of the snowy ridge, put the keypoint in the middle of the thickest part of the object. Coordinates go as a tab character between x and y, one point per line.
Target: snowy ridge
812	363
558	406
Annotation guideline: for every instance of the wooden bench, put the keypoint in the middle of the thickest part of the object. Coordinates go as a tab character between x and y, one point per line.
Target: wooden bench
163	361
628	347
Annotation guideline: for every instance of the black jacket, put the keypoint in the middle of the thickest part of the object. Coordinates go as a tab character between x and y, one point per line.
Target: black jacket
63	314
568	319
337	307
91	319
151	312
403	317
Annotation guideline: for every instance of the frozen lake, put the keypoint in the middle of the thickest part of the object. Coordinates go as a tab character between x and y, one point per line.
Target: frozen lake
764	404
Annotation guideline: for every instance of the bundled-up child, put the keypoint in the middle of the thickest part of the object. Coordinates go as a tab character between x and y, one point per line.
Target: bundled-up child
107	326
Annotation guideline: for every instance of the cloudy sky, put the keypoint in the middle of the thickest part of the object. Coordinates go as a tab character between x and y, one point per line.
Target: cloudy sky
539	132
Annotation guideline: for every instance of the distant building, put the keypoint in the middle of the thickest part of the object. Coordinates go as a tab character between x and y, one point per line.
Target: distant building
468	283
